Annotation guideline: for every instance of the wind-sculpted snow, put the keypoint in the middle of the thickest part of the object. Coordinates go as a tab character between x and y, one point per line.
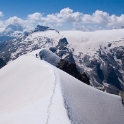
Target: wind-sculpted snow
34	92
86	105
49	56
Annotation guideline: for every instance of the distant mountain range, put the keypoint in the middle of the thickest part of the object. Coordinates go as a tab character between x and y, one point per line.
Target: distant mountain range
11	32
100	54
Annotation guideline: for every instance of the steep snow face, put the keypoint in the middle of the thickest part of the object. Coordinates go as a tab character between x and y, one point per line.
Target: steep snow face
86	105
33	91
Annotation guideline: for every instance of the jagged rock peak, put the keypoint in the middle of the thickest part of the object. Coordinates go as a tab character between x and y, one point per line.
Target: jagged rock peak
43	28
71	69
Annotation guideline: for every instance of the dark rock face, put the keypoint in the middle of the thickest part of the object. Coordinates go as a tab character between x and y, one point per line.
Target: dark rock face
63	51
71	69
62	64
43	28
2	63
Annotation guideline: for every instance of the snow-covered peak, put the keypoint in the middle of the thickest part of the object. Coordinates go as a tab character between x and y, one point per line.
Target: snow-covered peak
13	30
14	27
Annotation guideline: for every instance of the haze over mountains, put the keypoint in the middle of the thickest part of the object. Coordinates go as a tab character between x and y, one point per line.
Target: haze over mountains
100	54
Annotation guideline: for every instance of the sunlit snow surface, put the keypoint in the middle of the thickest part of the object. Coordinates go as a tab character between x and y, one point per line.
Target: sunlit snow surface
35	92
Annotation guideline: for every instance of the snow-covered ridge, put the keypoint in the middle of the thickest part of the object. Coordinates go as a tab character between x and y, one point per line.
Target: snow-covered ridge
28	96
100	53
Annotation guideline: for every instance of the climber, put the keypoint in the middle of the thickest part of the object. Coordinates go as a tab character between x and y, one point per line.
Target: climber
36	56
121	94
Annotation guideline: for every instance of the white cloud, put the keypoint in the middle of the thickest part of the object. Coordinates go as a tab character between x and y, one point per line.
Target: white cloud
1	14
35	16
28	24
116	21
14	20
100	17
78	20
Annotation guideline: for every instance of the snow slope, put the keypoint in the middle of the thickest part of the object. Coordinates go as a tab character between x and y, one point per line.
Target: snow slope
30	93
35	92
86	105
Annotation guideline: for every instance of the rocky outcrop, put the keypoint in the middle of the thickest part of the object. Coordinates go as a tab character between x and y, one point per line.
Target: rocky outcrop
43	28
2	63
71	69
62	50
105	68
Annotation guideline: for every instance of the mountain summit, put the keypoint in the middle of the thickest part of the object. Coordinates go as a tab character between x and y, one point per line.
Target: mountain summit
43	28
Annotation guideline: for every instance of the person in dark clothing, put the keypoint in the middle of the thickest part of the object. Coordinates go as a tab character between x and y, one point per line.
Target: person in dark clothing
121	94
36	56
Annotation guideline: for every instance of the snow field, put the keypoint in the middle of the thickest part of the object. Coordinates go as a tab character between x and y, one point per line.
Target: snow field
30	94
86	105
35	92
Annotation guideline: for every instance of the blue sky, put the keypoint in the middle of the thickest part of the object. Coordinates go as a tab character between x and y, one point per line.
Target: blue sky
21	9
